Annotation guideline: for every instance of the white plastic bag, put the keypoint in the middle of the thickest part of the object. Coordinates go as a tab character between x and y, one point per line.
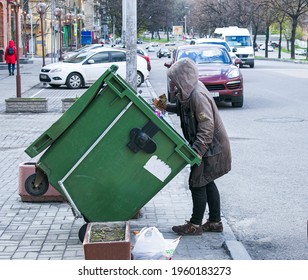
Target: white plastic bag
151	245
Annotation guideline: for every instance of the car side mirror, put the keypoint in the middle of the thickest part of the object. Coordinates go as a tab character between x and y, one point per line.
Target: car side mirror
237	61
91	61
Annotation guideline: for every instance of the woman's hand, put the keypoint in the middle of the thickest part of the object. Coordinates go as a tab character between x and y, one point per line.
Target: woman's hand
160	103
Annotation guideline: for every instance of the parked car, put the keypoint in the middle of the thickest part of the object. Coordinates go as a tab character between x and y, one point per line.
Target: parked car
170	44
274	44
269	48
153	44
149	48
300	51
143	54
82	49
216	71
164	52
85	68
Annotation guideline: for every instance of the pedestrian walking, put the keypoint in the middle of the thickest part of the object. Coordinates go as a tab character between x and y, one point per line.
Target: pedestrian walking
10	57
203	128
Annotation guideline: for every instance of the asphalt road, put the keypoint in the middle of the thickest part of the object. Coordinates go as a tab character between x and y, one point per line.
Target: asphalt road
264	197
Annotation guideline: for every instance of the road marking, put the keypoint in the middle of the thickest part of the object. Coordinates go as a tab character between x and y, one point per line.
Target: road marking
37	93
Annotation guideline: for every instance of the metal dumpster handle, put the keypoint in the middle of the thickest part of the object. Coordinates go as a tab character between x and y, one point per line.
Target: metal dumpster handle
196	159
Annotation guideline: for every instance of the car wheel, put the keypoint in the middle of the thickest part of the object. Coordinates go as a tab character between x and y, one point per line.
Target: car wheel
140	79
74	80
239	103
54	86
252	65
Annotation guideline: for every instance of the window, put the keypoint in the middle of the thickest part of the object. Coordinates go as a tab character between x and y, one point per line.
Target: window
239	41
102	57
118	56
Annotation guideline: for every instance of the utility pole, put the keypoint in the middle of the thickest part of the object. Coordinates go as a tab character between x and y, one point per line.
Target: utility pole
131	42
123	21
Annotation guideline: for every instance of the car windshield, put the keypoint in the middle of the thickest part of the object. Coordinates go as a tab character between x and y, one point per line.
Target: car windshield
79	57
206	56
239	41
217	43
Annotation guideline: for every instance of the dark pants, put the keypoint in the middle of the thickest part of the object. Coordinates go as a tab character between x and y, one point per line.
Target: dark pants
200	196
11	68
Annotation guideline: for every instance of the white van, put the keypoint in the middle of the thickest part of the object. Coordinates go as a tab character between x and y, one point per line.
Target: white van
240	39
216	41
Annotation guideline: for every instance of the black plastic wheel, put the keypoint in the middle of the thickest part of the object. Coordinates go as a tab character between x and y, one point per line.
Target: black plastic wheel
40	190
82	232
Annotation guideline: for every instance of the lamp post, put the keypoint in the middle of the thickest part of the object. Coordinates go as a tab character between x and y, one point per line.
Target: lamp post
18	83
185	27
185	18
29	16
25	34
80	17
70	18
41	9
58	13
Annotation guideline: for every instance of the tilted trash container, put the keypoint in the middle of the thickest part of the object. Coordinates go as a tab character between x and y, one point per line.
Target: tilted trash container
109	153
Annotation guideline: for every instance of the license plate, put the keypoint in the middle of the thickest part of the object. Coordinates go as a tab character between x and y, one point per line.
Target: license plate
215	93
43	76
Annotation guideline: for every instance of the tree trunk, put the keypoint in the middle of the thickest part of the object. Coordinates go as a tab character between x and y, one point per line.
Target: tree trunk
293	33
280	39
266	40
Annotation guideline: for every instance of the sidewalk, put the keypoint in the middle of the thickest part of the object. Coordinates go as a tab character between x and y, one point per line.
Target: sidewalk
49	230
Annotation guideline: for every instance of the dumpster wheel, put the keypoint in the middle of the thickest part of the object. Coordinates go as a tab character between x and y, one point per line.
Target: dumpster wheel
82	232
36	190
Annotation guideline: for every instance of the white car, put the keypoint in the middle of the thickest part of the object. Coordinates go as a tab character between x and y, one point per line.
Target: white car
149	48
216	41
85	68
300	51
269	48
82	49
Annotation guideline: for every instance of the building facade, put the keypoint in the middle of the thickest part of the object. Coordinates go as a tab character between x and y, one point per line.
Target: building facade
58	27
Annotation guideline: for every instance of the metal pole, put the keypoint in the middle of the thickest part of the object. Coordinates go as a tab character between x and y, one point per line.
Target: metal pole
18	84
75	26
131	43
25	33
185	28
60	34
52	32
43	47
123	22
32	43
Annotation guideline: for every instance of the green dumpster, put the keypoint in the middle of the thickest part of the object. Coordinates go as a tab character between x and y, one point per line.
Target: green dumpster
109	153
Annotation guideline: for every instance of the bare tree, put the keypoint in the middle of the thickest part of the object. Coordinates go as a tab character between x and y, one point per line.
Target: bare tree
293	9
280	19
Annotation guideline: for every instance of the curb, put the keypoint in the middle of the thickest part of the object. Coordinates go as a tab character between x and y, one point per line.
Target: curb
234	247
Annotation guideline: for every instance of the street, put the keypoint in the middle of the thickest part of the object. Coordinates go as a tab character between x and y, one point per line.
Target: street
264	197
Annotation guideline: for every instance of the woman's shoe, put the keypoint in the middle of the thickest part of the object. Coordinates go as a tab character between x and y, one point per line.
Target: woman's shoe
187	229
212	226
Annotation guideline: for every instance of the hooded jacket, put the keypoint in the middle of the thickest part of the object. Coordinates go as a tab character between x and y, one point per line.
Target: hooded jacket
201	123
10	59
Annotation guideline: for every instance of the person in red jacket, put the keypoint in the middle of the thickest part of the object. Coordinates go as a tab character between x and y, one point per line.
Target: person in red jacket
10	57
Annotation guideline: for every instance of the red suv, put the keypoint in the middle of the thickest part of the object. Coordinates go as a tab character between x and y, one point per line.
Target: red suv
217	72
